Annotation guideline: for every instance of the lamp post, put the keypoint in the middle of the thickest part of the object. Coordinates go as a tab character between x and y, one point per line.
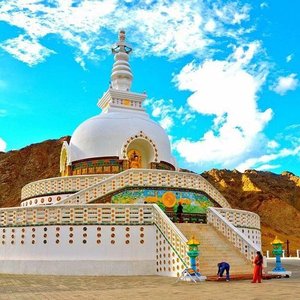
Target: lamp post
277	251
193	252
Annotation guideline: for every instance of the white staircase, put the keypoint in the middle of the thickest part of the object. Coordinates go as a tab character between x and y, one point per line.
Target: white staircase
215	248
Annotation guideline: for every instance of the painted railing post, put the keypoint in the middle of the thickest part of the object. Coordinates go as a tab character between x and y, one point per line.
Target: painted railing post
277	251
193	252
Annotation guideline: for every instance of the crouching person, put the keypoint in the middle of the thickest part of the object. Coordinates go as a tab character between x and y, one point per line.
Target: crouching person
223	266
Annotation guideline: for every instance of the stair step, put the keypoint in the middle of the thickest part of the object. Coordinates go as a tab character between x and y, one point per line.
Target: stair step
214	248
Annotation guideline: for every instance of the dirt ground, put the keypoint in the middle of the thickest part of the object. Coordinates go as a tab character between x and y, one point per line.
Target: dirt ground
146	287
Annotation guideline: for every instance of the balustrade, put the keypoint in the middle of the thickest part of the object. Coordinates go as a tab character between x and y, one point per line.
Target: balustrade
58	185
147	177
238	239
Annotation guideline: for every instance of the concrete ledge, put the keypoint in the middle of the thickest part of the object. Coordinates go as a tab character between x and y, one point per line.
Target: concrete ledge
79	267
282	274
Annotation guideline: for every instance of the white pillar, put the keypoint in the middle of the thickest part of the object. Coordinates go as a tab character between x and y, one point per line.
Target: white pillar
298	253
268	254
283	253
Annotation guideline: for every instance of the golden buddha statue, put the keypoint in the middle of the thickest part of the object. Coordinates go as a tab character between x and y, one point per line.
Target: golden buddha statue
134	159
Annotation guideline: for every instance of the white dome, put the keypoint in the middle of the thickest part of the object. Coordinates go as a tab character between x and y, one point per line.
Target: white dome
123	126
106	135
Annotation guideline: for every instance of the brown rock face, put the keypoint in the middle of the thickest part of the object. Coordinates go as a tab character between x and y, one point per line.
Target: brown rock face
34	162
275	198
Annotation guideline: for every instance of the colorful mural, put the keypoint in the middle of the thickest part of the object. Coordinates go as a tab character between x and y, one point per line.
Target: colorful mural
192	202
98	166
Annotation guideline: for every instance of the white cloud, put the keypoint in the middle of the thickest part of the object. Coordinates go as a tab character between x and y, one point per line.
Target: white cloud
2	145
167	113
267	167
80	61
258	162
171	28
166	123
77	23
210	25
3	112
285	84
156	112
227	90
293	126
264	5
289	57
272	144
26	50
232	12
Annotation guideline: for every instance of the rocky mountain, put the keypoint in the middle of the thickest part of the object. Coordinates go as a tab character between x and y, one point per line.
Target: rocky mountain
276	198
34	162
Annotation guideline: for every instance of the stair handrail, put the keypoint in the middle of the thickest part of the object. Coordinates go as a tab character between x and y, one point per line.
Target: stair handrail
172	234
253	223
166	219
246	246
33	189
75	196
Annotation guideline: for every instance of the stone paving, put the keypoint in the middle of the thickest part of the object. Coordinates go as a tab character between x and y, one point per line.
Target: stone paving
144	287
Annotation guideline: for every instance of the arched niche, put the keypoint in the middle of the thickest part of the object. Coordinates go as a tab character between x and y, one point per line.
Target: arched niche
64	166
140	153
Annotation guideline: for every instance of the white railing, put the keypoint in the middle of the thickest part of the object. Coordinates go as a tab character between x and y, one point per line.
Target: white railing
237	238
142	178
240	218
172	234
284	255
58	185
77	214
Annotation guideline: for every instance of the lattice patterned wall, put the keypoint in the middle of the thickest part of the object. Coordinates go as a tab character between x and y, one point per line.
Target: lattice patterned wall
142	178
59	185
46	200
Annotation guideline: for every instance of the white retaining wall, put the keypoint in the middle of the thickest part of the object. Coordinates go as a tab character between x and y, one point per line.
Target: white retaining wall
90	240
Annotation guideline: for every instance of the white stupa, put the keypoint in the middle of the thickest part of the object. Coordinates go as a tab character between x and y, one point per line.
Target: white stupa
122	128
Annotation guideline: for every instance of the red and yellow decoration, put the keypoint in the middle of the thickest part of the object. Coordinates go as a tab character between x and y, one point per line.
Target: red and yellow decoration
169	199
126	102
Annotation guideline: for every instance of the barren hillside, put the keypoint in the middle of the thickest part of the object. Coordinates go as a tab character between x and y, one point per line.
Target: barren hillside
276	198
31	163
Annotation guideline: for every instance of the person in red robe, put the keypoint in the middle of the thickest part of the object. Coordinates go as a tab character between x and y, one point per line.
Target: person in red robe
258	265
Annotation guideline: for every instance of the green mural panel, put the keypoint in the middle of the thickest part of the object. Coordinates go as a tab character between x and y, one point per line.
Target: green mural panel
166	199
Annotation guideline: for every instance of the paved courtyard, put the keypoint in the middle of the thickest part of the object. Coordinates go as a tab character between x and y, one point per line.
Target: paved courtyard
145	287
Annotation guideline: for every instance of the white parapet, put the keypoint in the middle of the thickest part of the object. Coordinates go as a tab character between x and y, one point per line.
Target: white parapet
144	178
91	240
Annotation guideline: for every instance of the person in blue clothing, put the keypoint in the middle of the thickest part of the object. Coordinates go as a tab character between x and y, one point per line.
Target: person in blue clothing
223	266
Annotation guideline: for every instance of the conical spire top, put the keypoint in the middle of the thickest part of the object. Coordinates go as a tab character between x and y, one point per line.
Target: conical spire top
121	76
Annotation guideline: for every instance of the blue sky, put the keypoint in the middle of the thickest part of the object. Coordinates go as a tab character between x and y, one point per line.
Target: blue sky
222	77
